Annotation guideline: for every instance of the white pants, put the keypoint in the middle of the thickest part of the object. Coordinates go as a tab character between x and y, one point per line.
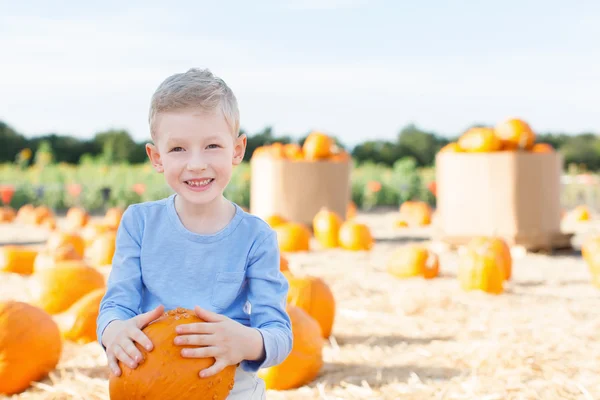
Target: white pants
247	386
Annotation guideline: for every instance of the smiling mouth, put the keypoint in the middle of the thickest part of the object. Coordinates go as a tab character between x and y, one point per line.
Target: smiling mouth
199	182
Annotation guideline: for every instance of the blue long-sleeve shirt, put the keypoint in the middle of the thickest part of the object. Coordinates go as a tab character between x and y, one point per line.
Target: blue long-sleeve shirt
234	272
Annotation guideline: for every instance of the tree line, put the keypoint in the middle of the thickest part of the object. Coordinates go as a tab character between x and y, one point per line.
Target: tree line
411	141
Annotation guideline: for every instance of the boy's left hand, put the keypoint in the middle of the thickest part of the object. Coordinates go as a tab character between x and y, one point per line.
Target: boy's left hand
228	341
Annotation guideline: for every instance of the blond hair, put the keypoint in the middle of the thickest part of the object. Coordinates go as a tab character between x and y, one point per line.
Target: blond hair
196	88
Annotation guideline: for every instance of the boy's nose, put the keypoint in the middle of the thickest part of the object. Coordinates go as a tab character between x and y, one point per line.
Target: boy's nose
196	166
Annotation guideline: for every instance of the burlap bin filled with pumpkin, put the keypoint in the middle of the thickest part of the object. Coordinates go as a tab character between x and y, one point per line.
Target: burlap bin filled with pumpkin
296	182
499	182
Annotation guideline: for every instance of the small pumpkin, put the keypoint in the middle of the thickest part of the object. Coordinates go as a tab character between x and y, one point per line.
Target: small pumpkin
314	296
102	249
78	323
17	259
49	258
481	269
293	151
151	380
7	214
305	361
112	217
514	134
452	147
58	239
40	214
479	140
92	230
284	265
413	261
416	213
293	236
355	236
317	146
497	245
326	228
275	220
542	148
58	288
23	215
76	218
30	346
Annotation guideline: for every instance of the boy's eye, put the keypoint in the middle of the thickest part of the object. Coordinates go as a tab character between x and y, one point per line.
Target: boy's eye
213	146
177	148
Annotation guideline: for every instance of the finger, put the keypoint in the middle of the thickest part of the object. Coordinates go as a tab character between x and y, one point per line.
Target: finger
195	340
113	365
208	316
144	319
122	356
196	327
141	338
201	352
217	367
132	352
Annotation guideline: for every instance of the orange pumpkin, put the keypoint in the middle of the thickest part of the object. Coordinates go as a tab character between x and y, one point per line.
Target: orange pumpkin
293	151
284	265
416	213
306	358
17	259
293	237
112	217
340	156
412	261
30	346
92	231
497	245
479	140
276	151
355	236
481	269
326	227
317	146
542	148
275	220
59	239
76	218
314	296
452	147
56	289
7	214
49	258
514	133
78	323
164	373
102	249
23	215
40	214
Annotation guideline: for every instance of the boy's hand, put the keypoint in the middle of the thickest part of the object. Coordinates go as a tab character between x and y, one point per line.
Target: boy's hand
118	338
228	341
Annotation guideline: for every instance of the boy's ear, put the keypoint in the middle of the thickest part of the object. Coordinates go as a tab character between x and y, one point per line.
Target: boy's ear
239	149
154	157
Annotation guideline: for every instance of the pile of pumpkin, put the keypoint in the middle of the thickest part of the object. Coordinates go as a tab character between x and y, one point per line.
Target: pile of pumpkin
28	214
509	135
485	264
317	147
330	231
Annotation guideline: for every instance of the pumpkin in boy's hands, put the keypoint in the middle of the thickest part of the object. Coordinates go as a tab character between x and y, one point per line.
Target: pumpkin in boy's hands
164	374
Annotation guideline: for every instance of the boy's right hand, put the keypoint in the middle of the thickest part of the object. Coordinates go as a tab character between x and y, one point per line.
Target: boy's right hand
119	335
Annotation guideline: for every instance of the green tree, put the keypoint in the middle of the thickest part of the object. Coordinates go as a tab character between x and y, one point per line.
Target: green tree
117	146
11	143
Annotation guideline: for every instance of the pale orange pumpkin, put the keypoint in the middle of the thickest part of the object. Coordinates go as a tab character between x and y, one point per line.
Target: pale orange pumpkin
17	259
314	296
542	148
481	269
293	151
413	261
7	214
317	146
275	220
340	156
355	236
112	217
305	360
49	258
58	288
416	213
58	239
76	219
30	346
23	215
92	230
514	133
479	140
78	322
164	373
326	228
497	245
40	214
451	147
293	236
102	249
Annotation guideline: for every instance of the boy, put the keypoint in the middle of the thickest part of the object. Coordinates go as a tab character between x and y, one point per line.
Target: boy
196	249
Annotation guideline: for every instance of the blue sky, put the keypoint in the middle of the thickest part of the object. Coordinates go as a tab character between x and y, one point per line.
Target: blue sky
357	69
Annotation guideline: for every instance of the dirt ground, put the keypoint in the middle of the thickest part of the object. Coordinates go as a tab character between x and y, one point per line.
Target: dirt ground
414	339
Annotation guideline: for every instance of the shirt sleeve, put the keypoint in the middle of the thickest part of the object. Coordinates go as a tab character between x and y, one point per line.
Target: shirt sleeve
124	287
267	294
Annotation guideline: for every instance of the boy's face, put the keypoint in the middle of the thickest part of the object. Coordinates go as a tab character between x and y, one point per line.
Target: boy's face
196	151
